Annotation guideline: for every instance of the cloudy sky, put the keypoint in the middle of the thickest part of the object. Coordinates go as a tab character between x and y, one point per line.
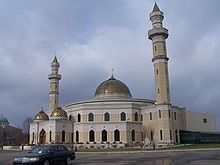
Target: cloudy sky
90	37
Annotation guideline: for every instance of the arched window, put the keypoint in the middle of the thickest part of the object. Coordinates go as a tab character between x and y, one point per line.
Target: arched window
151	135
106	116
91	136
174	115
169	113
117	135
123	116
133	135
77	136
70	117
159	113
150	116
50	136
161	135
136	116
32	138
141	117
79	118
90	117
63	136
104	136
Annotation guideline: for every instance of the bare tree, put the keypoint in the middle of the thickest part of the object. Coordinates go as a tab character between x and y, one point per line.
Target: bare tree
148	134
26	129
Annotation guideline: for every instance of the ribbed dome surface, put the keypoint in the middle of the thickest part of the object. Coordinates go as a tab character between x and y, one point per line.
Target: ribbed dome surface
41	116
112	88
59	113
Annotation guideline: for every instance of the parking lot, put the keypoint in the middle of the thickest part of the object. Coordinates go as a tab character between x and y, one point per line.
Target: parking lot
211	157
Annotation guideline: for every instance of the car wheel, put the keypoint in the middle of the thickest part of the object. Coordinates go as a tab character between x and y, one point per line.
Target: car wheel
46	162
68	161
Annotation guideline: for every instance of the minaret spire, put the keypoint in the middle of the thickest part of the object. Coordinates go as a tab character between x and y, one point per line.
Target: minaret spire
158	34
54	78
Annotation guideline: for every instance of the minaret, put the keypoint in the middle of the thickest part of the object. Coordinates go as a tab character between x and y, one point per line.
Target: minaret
158	34
54	78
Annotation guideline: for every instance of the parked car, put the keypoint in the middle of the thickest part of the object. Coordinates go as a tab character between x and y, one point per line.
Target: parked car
46	155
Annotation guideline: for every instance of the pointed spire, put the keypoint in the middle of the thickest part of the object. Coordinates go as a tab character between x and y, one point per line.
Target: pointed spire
55	59
156	8
112	76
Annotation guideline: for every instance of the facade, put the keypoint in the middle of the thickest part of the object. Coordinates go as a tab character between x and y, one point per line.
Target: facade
112	115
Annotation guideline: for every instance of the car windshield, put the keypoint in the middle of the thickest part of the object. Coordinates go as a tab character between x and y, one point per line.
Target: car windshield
40	149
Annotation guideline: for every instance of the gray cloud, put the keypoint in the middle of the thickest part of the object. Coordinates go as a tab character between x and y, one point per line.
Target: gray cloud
93	36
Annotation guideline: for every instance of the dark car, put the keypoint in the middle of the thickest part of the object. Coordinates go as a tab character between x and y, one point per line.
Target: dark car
46	155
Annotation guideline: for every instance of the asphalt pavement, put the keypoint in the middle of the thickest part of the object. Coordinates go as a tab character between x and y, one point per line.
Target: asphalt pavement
180	157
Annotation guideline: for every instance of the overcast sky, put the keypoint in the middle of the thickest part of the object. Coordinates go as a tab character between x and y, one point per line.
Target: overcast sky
90	37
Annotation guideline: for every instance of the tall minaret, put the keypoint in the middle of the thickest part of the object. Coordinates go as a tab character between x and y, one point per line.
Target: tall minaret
158	34
54	78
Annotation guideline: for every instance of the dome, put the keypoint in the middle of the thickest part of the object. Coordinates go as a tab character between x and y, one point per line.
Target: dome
3	120
41	116
59	113
112	88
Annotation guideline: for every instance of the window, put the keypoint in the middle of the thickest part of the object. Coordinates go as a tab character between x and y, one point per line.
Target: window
91	136
136	116
72	136
133	135
50	139
123	116
79	118
158	90
70	117
117	135
32	138
106	117
161	135
63	136
141	117
150	116
170	134
159	113
151	135
174	115
77	136
104	136
169	113
157	71
90	117
204	120
155	48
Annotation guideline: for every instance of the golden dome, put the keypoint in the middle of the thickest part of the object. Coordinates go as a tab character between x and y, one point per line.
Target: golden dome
59	113
112	88
41	116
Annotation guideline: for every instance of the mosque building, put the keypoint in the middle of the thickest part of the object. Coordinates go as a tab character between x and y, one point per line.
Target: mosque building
112	115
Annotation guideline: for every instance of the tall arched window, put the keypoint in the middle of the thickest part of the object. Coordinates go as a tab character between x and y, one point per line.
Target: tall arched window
151	135
91	136
123	116
79	118
117	135
90	117
133	135
63	136
32	138
104	136
106	116
150	116
77	136
136	116
50	136
159	113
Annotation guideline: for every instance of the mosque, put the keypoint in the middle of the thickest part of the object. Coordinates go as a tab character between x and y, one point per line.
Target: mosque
113	116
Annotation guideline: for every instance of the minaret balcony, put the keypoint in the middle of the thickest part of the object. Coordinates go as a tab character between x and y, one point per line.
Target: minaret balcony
158	31
54	76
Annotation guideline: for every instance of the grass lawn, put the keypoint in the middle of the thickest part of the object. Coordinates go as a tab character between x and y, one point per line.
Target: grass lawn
193	146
